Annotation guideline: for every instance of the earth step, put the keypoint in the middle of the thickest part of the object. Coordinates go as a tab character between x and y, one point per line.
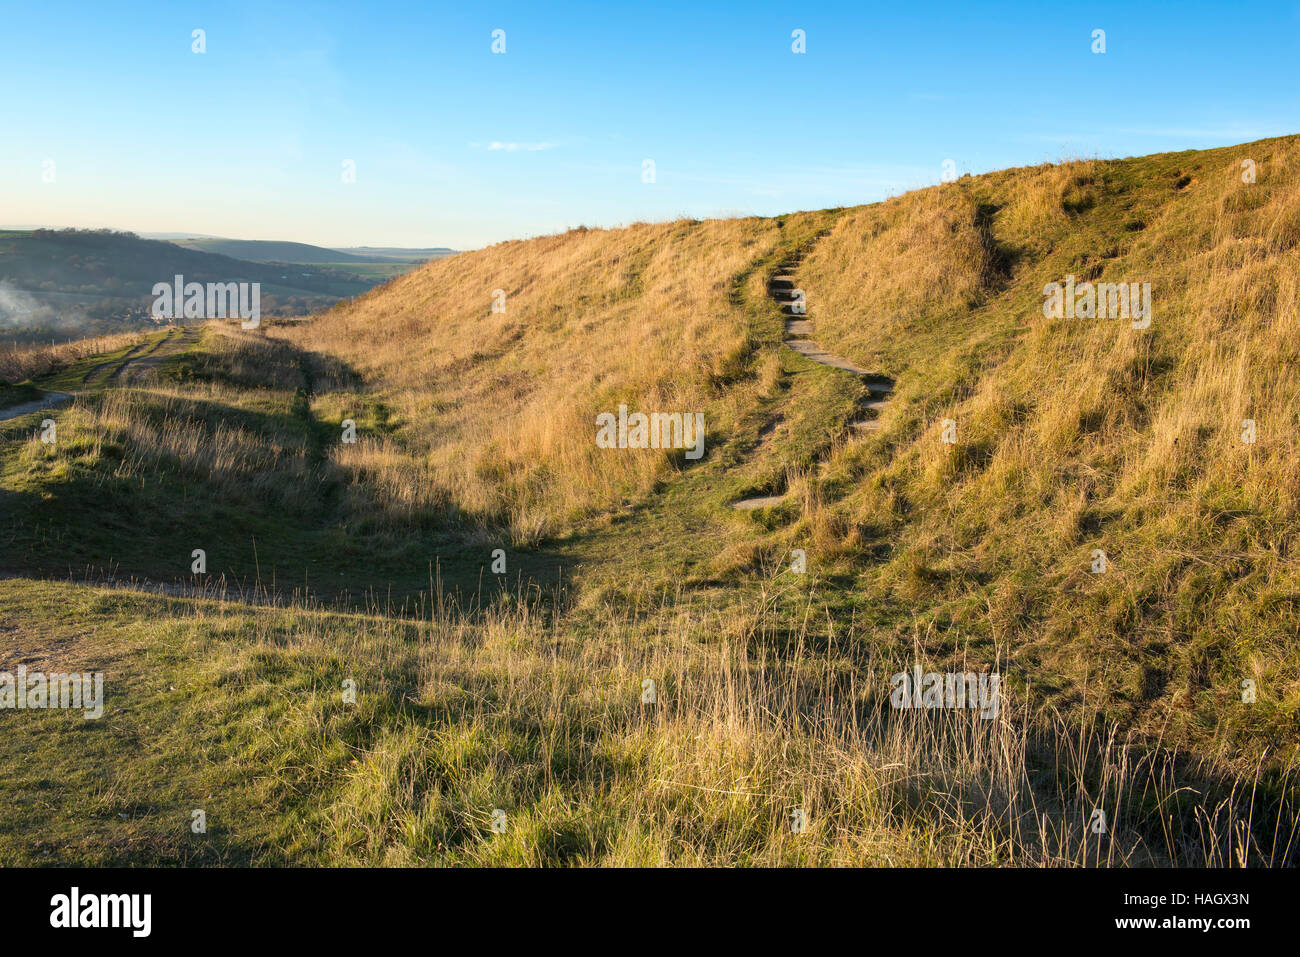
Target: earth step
816	353
798	327
764	501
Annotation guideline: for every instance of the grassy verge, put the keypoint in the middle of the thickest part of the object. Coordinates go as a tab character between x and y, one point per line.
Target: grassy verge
241	713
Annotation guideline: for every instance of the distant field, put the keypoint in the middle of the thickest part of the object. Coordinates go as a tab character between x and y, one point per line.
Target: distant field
398	254
380	271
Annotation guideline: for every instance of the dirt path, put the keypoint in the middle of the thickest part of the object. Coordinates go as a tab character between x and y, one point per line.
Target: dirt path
47	401
136	367
798	336
95	371
133	366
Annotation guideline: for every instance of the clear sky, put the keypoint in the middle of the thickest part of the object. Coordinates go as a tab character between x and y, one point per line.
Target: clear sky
456	146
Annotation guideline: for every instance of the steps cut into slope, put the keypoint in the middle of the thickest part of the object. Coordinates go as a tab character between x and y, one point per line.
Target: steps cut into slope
798	336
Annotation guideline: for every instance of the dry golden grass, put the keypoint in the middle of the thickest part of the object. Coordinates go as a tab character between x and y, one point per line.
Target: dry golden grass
496	412
886	269
747	727
1082	434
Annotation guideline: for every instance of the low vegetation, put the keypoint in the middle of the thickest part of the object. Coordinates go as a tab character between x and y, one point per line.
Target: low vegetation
520	717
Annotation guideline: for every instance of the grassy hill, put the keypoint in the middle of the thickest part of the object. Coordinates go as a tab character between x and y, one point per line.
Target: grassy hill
330	561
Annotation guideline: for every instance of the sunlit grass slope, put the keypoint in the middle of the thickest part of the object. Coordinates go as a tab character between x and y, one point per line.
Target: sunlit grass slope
476	431
1075	435
541	726
495	410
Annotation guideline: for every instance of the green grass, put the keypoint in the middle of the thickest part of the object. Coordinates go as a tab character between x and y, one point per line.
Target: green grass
240	712
97	501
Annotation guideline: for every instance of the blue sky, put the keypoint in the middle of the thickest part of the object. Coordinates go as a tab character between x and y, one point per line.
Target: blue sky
248	139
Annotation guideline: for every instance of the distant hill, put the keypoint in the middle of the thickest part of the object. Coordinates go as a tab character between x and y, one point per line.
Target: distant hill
271	251
54	281
168	236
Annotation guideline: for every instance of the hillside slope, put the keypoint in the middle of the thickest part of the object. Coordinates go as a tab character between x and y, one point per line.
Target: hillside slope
1073	435
496	363
1172	449
1076	504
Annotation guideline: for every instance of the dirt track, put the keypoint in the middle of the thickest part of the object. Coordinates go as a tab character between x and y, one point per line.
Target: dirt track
47	401
132	367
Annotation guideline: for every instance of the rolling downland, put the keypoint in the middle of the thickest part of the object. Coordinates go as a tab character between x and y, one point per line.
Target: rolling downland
961	532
